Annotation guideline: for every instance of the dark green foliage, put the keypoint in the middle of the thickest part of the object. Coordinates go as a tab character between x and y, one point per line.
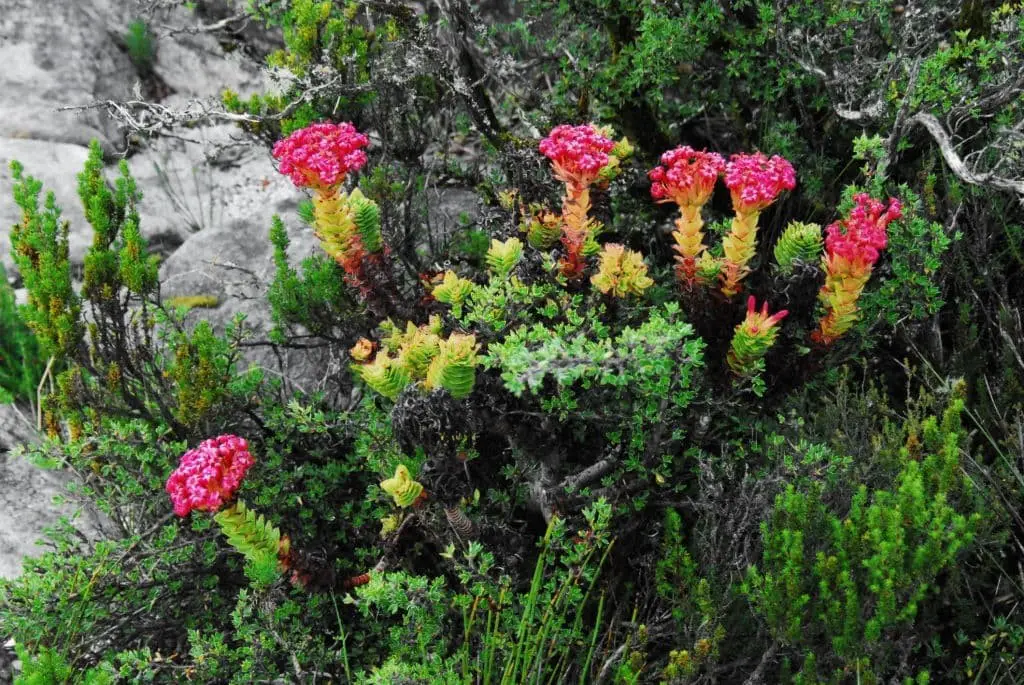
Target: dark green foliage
39	244
916	251
317	301
21	365
140	45
602	502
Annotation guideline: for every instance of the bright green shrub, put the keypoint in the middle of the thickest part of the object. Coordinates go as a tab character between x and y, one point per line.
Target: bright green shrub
40	250
851	578
21	366
132	358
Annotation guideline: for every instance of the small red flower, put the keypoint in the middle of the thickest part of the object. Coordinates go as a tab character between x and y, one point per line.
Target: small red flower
578	153
859	238
686	177
321	155
760	322
208	476
755	181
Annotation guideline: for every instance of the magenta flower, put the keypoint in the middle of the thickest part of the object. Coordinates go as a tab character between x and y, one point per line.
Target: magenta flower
859	238
686	177
321	155
209	475
577	153
755	181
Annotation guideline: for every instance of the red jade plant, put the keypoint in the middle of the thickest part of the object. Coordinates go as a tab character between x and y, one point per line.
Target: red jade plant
852	246
754	336
687	177
207	479
754	181
320	157
578	155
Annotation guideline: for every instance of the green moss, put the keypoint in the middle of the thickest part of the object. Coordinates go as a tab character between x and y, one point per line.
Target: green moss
194	301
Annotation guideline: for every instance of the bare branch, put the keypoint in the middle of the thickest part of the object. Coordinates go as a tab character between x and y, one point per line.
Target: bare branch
957	165
221	25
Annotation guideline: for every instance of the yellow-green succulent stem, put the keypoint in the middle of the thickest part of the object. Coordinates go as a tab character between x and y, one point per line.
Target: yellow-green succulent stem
738	247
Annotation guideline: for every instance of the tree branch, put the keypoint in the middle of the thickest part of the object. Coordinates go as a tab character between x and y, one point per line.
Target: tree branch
956	163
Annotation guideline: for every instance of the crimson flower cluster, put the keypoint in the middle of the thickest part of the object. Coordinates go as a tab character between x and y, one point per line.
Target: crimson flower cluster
755	180
862	235
321	155
578	153
686	177
208	476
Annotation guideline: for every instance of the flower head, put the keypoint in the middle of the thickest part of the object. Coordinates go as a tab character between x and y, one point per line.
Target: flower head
759	322
861	236
577	153
208	475
686	177
755	181
363	350
754	336
321	155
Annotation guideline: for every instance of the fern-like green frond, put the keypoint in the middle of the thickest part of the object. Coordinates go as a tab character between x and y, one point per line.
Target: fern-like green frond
386	375
502	257
798	242
249	533
366	215
453	290
402	488
454	368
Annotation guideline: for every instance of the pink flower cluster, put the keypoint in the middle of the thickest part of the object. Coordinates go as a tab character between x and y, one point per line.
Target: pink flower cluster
578	153
861	236
321	155
686	177
208	475
755	180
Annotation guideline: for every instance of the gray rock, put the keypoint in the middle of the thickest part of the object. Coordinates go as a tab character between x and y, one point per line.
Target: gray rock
449	208
26	495
16	426
234	263
60	55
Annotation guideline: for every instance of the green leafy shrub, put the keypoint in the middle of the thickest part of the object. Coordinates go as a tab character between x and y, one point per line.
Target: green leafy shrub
21	365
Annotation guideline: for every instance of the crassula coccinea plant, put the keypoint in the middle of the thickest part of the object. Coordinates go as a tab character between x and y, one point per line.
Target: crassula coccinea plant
320	157
206	480
852	246
578	154
687	177
621	272
753	338
755	182
403	489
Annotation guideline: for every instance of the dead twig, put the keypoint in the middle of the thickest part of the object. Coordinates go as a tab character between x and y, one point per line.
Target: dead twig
957	164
